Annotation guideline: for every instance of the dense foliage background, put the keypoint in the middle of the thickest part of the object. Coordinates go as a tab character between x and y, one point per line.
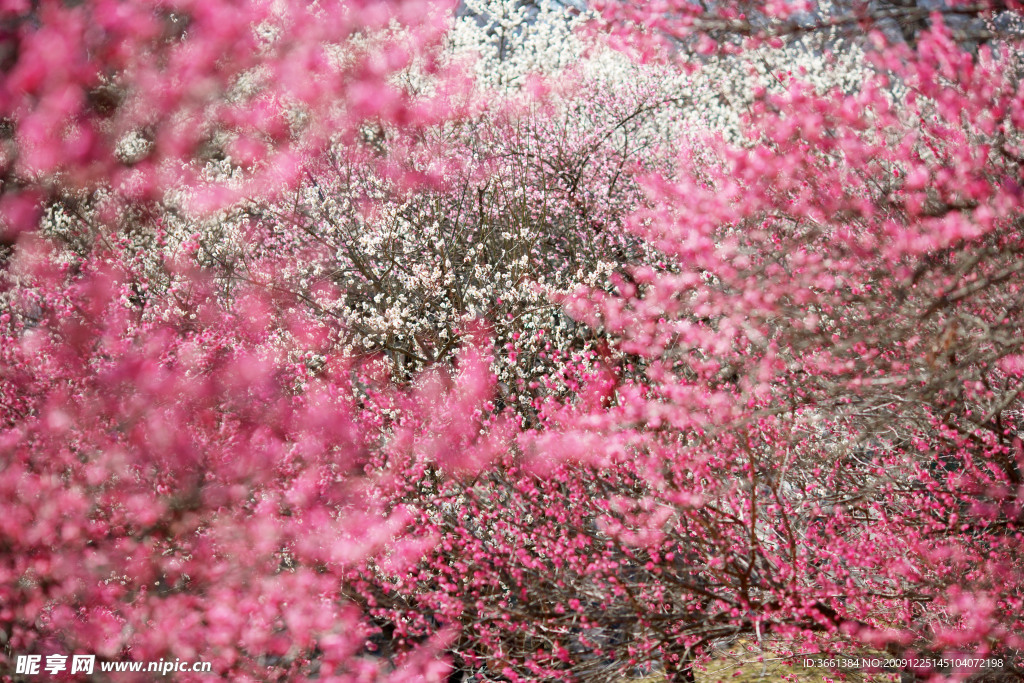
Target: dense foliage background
512	339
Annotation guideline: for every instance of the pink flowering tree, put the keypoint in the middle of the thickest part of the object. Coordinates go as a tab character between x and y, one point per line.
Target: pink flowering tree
827	418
